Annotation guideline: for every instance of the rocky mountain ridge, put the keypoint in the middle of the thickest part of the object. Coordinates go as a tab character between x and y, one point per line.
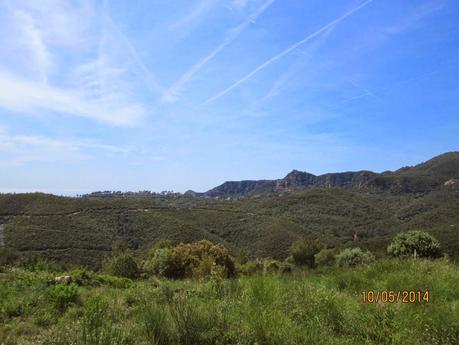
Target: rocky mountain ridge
439	172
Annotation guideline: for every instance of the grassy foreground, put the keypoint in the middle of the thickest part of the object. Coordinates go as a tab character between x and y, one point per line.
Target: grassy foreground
298	308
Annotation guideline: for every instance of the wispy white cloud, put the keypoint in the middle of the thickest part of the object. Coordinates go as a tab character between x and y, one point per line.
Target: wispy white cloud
385	89
413	19
20	149
60	22
32	38
408	22
304	60
358	86
172	93
198	11
32	30
152	81
103	88
239	4
310	37
22	95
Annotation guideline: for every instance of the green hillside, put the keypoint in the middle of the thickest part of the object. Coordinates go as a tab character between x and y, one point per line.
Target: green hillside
80	231
130	301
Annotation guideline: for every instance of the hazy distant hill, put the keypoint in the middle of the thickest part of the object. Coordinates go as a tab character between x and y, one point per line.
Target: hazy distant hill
420	178
332	207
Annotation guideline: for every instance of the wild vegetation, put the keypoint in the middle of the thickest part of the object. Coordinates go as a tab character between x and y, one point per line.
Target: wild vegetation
268	305
288	268
80	232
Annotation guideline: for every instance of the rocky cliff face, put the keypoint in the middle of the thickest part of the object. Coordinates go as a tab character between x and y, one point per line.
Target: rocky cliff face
430	175
240	188
352	179
293	181
296	179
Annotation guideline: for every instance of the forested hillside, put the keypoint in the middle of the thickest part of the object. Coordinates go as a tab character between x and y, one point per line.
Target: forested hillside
81	231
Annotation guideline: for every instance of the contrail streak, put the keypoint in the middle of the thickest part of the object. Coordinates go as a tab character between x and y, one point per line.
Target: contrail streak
171	93
151	79
286	51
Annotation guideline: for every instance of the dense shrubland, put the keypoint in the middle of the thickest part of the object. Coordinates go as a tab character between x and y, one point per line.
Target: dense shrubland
80	232
214	298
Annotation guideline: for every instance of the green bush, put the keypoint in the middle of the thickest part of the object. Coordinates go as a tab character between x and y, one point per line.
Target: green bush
251	267
62	296
123	266
161	262
196	259
271	266
160	259
206	267
354	257
11	308
161	244
326	257
116	282
414	243
81	276
188	256
303	251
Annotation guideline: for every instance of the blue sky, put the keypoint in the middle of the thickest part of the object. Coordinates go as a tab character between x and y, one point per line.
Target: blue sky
176	95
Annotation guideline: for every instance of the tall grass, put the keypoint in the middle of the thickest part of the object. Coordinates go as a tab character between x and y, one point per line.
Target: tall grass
94	327
318	308
158	325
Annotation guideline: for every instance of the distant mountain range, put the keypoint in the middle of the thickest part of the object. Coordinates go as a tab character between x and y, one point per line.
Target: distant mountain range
439	172
423	177
261	218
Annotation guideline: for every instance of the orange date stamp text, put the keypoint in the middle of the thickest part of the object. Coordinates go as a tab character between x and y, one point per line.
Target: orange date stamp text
390	296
